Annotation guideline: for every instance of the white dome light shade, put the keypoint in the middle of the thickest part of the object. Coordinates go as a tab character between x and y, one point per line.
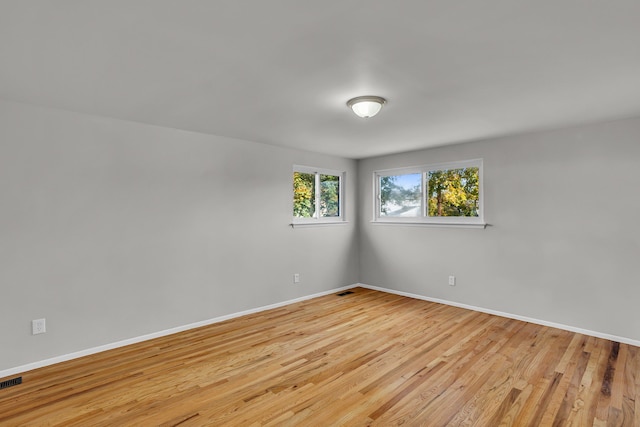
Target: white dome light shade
366	106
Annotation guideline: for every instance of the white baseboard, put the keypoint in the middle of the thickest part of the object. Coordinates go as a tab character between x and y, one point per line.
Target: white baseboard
93	350
509	315
87	352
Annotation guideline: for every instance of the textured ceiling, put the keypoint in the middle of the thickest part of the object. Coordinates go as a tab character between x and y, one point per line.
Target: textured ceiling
280	72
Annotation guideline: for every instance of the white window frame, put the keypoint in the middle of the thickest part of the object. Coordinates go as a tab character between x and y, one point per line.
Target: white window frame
317	219
424	219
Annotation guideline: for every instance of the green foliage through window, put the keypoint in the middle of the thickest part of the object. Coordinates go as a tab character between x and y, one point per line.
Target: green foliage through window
304	195
329	195
453	192
446	193
316	195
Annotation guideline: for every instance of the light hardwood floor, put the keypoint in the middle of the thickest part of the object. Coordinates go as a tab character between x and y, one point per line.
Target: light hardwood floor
368	358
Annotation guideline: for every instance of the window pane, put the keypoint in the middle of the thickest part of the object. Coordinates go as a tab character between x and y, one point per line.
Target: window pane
453	192
400	195
304	199
329	195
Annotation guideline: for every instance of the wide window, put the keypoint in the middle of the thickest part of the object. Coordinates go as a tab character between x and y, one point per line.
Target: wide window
317	195
446	193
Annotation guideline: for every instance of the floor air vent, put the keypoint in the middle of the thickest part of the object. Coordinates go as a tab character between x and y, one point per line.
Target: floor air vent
9	383
341	294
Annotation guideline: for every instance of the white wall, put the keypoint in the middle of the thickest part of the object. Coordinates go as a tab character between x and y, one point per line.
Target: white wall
112	230
564	240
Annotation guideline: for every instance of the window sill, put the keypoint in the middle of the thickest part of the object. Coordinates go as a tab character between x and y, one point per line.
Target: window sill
433	224
317	224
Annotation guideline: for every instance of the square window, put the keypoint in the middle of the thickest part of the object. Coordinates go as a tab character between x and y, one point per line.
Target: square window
317	195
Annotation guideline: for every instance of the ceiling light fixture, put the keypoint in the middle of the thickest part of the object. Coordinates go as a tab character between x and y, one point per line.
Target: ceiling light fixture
366	106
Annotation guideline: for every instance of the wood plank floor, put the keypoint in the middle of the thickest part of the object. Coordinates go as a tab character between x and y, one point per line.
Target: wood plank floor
368	358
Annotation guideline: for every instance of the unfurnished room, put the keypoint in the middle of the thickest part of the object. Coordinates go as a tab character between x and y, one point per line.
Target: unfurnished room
336	213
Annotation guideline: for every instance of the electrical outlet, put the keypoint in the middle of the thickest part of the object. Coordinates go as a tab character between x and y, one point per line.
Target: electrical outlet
38	326
452	280
296	278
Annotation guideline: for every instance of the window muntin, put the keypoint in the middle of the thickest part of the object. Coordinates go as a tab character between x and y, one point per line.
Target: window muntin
446	193
317	195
